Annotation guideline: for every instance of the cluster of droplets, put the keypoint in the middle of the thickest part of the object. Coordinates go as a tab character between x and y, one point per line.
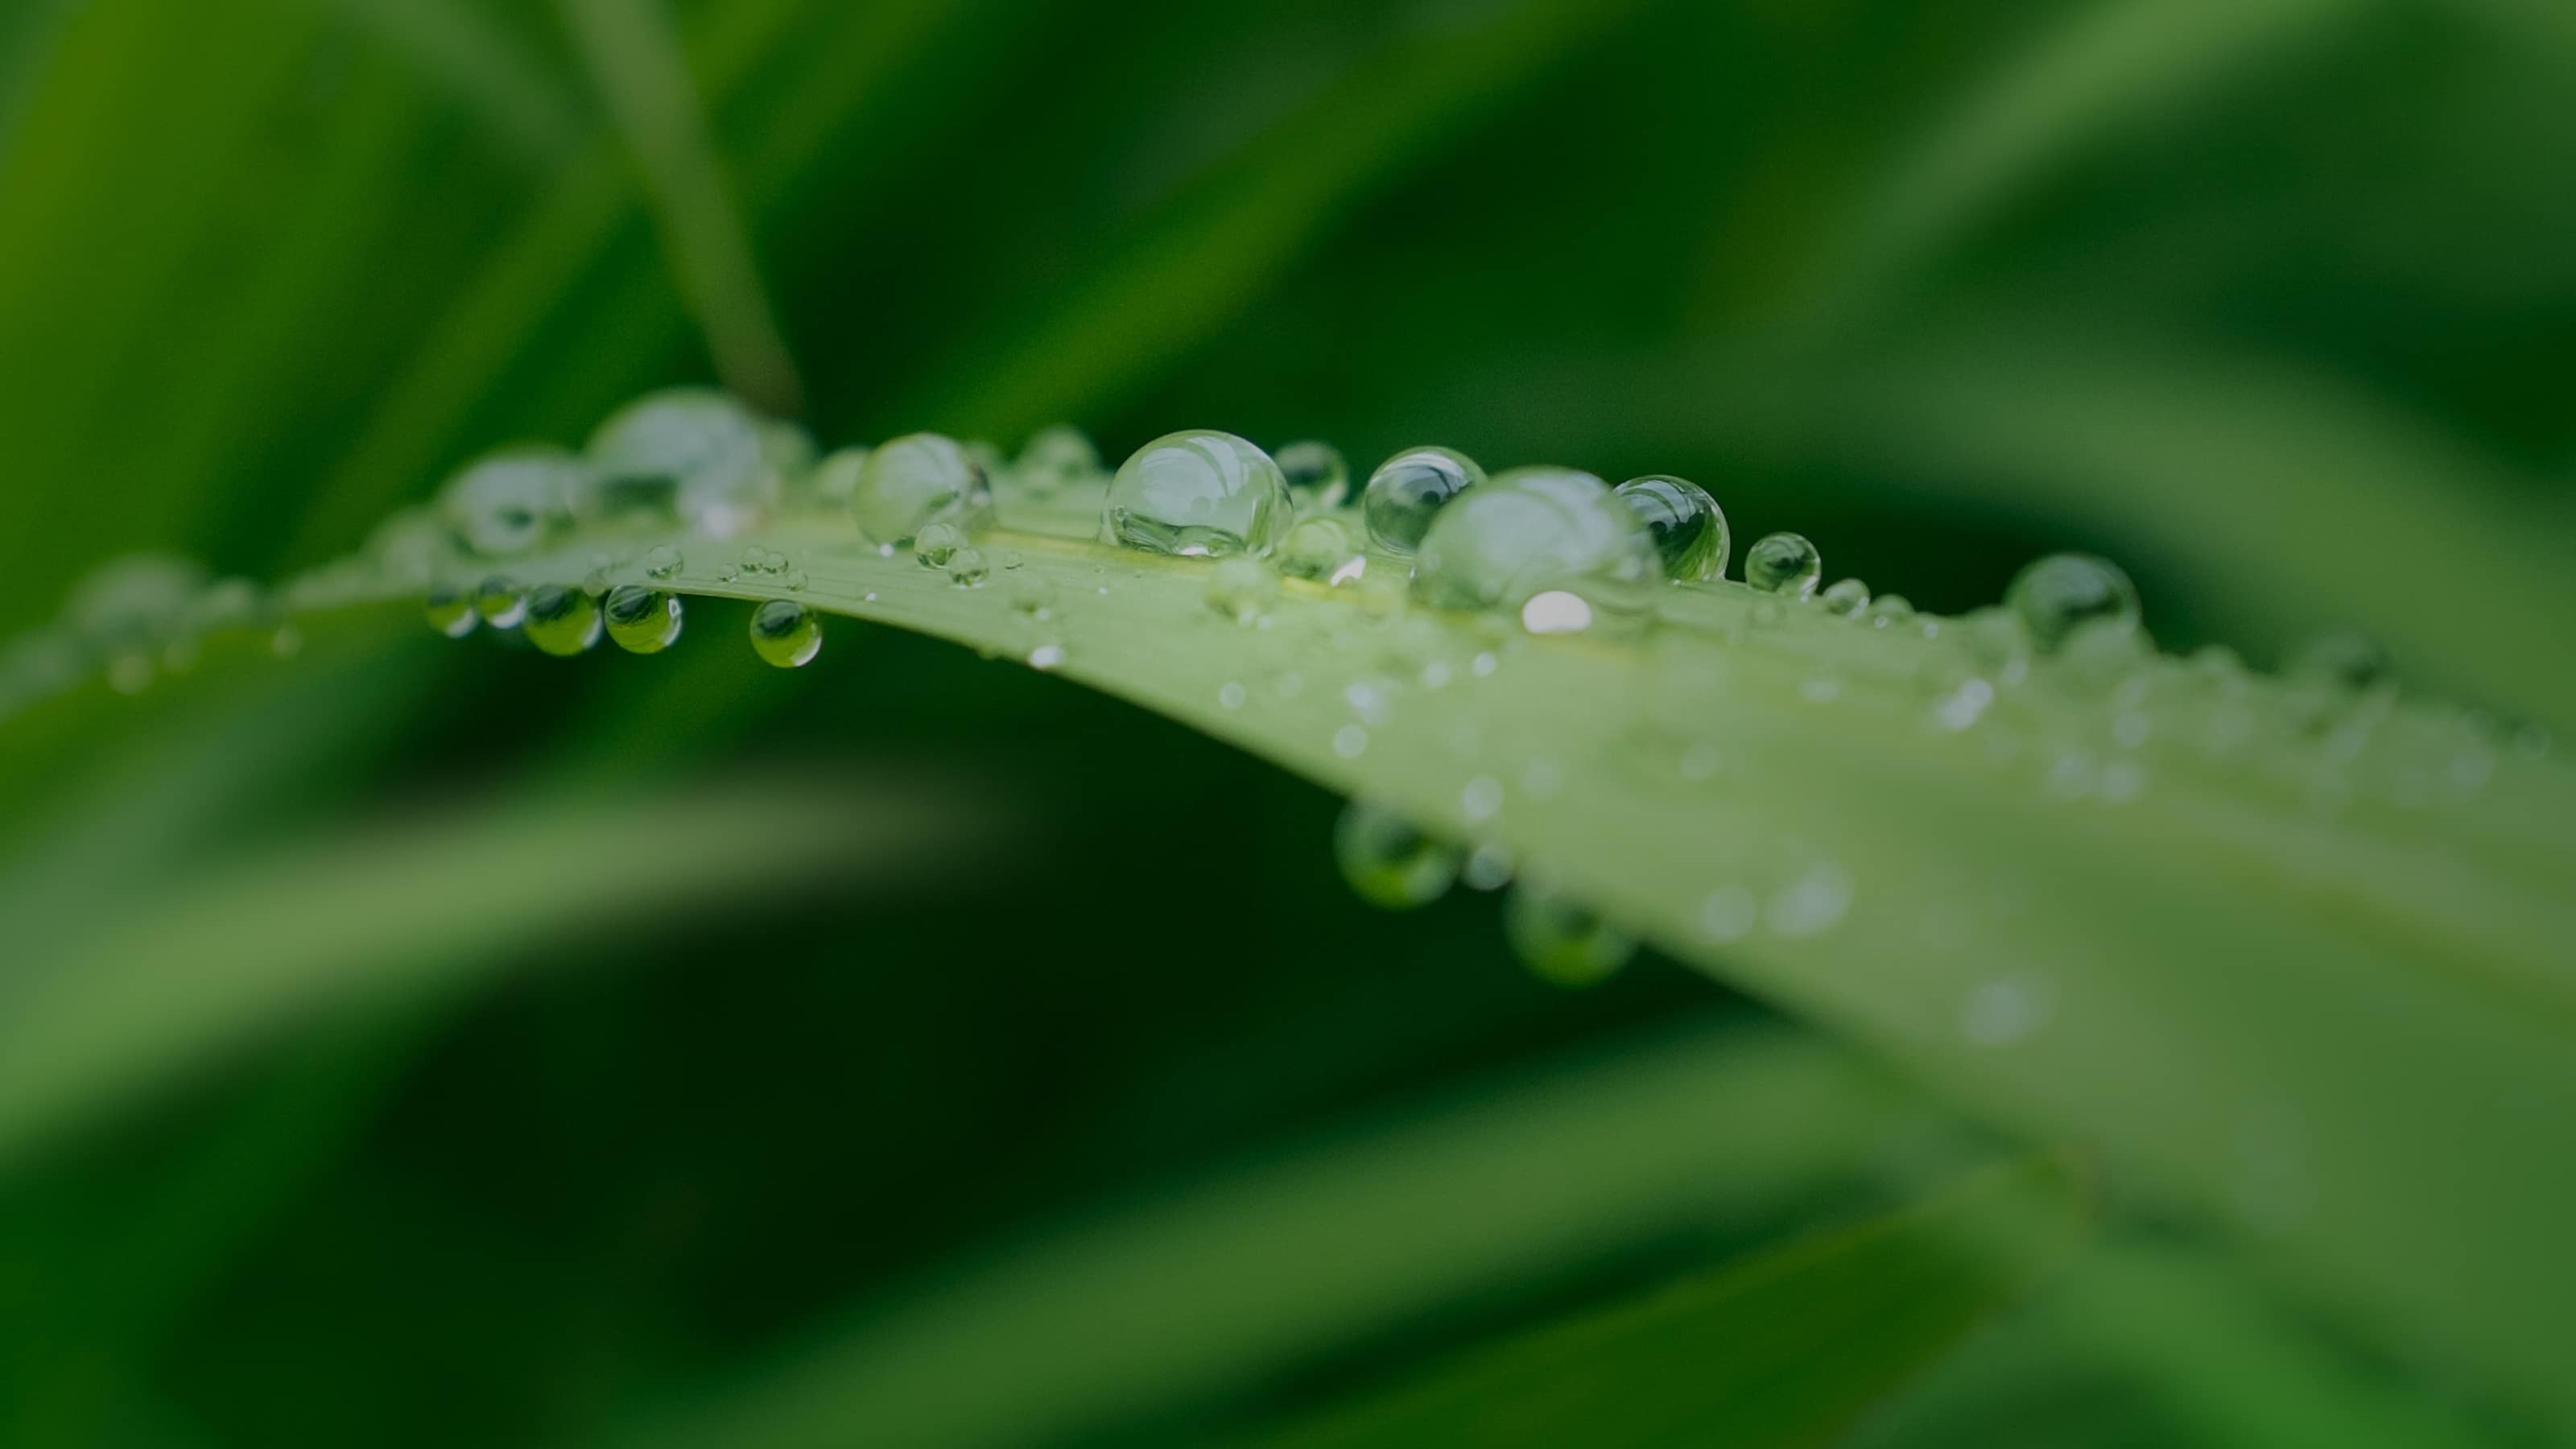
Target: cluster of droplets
133	620
1396	866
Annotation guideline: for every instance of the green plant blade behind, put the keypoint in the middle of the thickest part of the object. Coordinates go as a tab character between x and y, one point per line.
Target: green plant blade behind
1783	1350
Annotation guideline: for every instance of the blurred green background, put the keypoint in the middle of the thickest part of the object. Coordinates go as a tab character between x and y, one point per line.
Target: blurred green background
943	1015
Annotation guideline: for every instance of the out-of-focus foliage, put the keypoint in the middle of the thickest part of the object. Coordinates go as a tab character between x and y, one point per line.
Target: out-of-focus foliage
2273	300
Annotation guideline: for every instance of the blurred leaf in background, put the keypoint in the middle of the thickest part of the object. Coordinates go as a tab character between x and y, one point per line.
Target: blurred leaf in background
440	1046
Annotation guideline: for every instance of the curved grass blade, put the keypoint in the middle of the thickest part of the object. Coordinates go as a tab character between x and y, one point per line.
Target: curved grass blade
1206	1289
226	957
1786	1349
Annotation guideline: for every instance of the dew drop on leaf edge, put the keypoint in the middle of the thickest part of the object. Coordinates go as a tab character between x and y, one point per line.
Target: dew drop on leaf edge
1389	863
642	620
561	620
786	633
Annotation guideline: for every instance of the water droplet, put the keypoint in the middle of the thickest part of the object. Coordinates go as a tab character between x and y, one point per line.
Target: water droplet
1728	913
834	479
786	633
1489	867
2003	1011
1688	527
915	481
936	544
1409	490
1318	548
794	579
500	602
1560	941
642	620
1046	656
1031	595
967	569
1845	597
1318	478
1889	609
1388	863
1199	493
2341	659
1230	695
1812	904
1481	800
1556	612
450	612
1056	458
561	621
662	561
1964	706
694	450
1350	741
1532	532
507	502
755	559
1784	563
2060	593
1242	589
727	573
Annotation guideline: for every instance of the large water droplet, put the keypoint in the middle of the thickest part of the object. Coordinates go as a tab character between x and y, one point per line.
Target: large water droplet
561	620
1199	493
642	620
1534	531
1388	863
2058	594
1318	476
1408	491
786	633
508	502
917	480
695	450
1783	563
1688	527
1560	941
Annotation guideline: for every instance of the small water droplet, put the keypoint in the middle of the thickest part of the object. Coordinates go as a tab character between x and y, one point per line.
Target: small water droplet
786	633
1230	695
561	621
1200	493
1889	609
1785	564
1316	474
1561	942
915	481
1845	597
450	612
1389	863
936	544
1242	589
1046	656
1349	741
1055	459
1812	904
1489	867
1409	490
1688	528
1481	800
500	603
1556	612
967	569
1728	913
1320	548
642	620
662	561
2063	592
